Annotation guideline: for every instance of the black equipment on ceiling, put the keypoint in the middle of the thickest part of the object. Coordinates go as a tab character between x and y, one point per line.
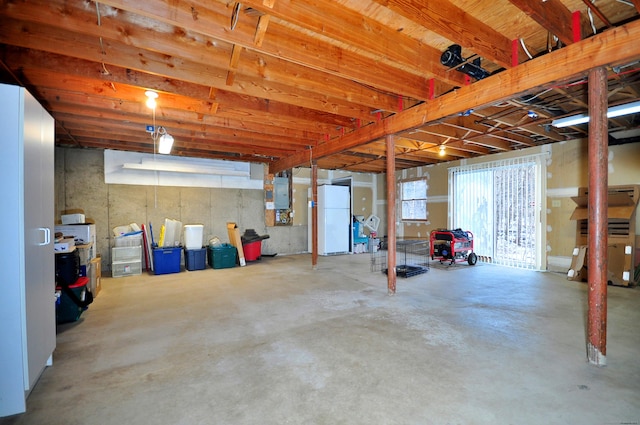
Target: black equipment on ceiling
452	57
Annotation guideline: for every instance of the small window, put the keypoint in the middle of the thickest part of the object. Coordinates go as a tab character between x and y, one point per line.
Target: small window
414	200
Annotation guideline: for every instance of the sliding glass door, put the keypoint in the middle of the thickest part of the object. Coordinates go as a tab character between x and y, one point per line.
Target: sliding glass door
499	202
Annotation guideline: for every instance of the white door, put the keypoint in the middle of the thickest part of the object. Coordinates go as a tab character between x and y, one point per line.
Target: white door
27	309
39	252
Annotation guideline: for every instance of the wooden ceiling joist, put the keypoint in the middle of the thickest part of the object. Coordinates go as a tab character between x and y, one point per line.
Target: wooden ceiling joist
265	80
561	65
455	24
552	15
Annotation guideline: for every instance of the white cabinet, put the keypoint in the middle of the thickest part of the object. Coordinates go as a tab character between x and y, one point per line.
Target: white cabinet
27	264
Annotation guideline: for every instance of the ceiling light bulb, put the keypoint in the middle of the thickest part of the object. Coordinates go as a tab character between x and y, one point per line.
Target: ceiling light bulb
151	99
442	150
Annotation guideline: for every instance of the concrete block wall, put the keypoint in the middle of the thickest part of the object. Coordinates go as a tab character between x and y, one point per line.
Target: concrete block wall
79	183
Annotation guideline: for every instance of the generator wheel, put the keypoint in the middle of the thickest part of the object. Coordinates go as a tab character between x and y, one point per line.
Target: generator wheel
472	259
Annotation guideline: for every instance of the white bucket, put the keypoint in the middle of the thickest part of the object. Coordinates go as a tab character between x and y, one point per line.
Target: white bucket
193	236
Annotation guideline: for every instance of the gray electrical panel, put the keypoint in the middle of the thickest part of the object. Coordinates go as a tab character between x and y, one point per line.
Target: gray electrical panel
281	193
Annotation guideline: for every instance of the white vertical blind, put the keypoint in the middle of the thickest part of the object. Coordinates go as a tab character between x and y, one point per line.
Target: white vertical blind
499	202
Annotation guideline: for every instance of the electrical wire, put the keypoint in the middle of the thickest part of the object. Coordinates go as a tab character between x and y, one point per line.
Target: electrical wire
155	137
525	48
102	51
536	96
593	26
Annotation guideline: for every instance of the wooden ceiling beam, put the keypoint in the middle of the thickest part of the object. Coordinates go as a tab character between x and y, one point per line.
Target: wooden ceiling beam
534	126
280	42
233	64
456	143
408	149
476	131
54	71
608	48
211	142
159	64
552	15
590	4
303	137
166	113
453	23
208	65
346	26
176	151
135	130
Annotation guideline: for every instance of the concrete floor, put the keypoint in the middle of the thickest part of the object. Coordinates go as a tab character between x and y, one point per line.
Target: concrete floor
276	342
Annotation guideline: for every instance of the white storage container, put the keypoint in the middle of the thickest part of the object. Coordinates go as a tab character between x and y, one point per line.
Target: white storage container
82	233
126	253
130	268
128	240
193	234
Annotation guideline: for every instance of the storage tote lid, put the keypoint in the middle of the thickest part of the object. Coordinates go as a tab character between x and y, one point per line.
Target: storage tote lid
82	281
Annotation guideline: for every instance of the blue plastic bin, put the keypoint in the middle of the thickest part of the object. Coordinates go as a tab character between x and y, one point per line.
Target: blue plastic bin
166	260
195	259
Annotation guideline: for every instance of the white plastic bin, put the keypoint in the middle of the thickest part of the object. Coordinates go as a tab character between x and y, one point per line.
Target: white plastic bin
193	236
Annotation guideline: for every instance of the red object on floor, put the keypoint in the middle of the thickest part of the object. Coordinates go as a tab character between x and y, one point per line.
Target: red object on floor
252	250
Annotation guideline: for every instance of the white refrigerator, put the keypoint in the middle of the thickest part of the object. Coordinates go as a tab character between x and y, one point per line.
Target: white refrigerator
334	219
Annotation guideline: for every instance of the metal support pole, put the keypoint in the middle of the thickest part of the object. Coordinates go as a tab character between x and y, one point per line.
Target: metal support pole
597	201
314	216
391	215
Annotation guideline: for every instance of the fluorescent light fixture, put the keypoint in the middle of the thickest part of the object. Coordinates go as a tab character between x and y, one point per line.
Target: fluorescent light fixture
569	121
186	168
614	111
165	143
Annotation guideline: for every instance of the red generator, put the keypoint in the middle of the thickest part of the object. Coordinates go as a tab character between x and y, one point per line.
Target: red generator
452	245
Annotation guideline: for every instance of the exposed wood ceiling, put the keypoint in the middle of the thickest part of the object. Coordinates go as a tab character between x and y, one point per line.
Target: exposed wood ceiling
289	82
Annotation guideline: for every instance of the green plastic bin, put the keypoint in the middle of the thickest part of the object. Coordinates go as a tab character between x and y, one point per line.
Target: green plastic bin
222	256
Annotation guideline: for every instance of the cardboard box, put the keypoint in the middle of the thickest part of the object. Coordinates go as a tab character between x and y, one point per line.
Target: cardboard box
64	245
95	276
618	265
577	270
619	258
234	238
86	253
72	218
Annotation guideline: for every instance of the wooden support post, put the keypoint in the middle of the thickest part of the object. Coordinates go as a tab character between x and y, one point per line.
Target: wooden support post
314	215
391	215
597	230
